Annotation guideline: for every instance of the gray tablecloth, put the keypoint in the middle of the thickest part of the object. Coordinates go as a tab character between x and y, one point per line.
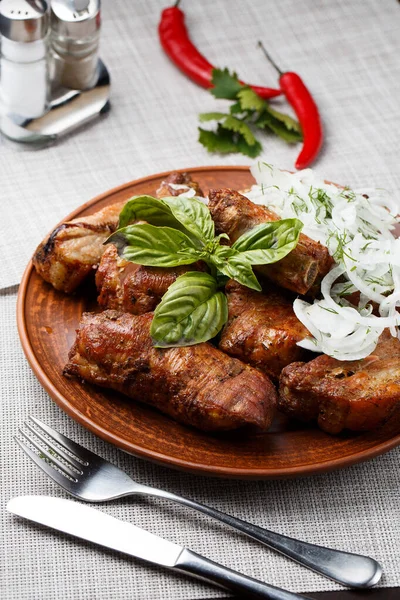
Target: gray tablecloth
348	54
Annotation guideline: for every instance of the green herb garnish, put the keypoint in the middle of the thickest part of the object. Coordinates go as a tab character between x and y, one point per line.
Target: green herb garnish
180	231
331	310
193	310
234	130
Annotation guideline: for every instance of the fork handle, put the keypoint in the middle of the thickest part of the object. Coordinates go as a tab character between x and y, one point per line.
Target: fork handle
191	563
349	569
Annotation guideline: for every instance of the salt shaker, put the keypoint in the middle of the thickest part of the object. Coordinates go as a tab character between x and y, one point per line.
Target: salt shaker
75	33
24	82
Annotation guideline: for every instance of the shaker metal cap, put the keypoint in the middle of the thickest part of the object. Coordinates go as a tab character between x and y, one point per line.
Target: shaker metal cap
24	20
76	19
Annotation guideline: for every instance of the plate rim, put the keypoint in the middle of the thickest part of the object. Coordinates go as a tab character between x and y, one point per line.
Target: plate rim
132	447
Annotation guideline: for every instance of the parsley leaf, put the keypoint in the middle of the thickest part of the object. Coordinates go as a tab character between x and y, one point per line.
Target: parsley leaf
249	112
226	85
252	150
218	141
240	140
290	123
212	116
236	108
249	100
282	125
225	141
234	124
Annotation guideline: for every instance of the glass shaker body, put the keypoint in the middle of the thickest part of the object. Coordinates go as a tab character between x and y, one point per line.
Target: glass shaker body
75	34
24	79
74	62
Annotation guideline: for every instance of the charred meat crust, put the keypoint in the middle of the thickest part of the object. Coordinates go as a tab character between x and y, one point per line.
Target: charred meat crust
262	329
358	395
300	271
196	385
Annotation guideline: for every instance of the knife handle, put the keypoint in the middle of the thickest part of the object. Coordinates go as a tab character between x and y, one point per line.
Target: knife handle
193	564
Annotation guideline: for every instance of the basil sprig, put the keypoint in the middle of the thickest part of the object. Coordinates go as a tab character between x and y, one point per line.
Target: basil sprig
180	231
193	310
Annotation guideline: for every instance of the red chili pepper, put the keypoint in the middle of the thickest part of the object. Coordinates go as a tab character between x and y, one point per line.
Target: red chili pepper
306	110
178	46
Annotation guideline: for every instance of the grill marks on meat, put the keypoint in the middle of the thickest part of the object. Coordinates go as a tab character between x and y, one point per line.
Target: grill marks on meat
130	287
178	183
300	271
262	329
358	395
196	385
70	252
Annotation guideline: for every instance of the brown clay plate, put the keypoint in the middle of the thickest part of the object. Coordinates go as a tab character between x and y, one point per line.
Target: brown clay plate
47	320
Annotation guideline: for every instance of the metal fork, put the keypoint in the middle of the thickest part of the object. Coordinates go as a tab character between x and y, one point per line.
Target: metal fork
89	477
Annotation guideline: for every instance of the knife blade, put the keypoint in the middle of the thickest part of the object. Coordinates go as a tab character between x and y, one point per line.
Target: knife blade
95	526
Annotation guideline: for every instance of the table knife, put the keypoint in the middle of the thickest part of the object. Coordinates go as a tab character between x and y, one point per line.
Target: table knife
96	526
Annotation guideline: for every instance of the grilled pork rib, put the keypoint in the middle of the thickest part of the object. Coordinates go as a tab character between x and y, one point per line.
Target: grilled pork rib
300	271
359	395
130	287
73	249
262	329
196	385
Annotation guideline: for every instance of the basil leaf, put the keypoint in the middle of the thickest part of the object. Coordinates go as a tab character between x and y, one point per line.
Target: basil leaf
190	312
193	215
222	253
231	263
240	270
269	242
147	208
155	246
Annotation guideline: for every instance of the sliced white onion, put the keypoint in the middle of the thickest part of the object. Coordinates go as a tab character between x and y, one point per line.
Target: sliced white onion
358	341
351	313
357	228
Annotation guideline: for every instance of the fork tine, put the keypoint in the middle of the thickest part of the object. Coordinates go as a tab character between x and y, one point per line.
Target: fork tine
45	467
50	457
79	451
69	459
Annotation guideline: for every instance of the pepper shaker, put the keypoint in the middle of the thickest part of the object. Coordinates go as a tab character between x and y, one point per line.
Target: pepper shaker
75	33
24	82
